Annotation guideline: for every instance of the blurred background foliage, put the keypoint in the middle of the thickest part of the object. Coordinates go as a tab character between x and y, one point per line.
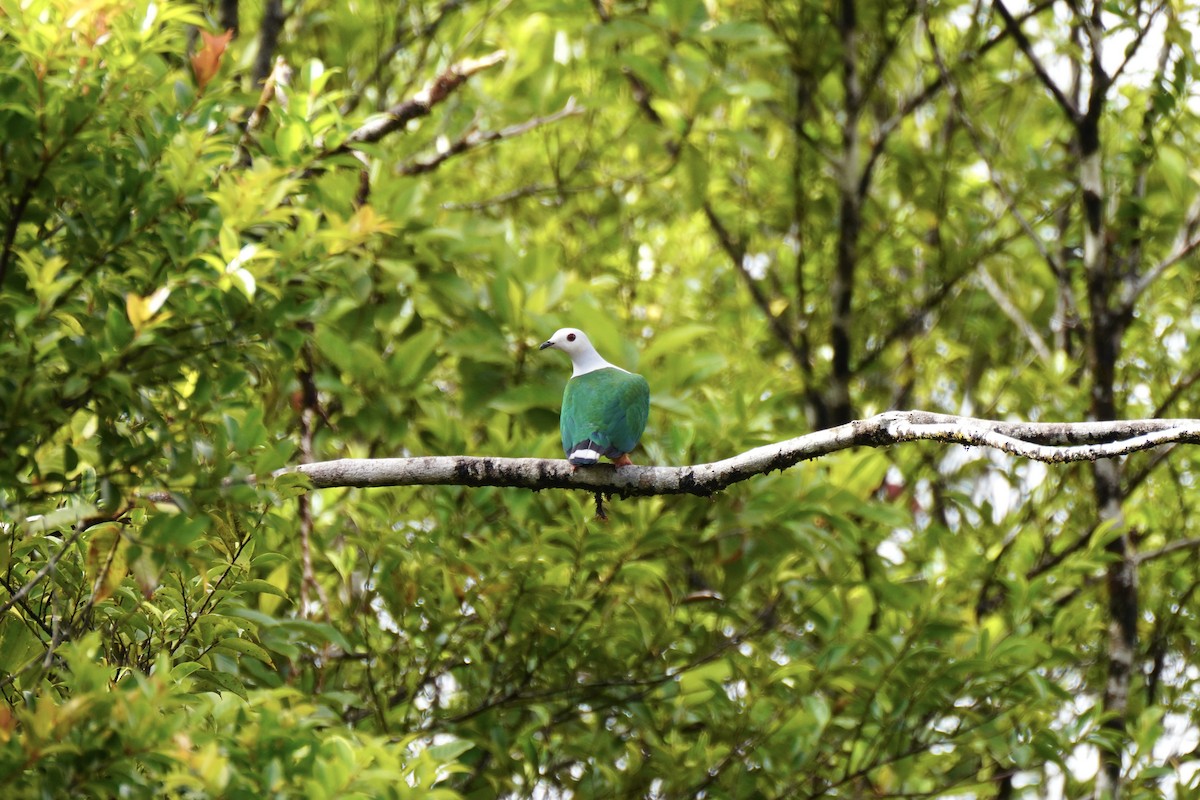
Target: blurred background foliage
785	214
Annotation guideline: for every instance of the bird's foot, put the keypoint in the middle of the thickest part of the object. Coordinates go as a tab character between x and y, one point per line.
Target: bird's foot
622	461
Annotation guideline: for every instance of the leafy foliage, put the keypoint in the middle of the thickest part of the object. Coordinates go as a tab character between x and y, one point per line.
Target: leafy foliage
203	282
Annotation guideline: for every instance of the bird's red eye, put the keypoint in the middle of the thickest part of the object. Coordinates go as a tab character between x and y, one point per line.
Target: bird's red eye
570	337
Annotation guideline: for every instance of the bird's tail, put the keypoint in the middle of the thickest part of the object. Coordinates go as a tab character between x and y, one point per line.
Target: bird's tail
588	452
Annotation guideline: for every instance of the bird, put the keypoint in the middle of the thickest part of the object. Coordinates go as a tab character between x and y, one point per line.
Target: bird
604	407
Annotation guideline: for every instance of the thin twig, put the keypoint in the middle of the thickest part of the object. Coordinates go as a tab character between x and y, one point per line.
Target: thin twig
46	569
1011	311
1132	48
1186	242
473	140
918	99
272	88
977	142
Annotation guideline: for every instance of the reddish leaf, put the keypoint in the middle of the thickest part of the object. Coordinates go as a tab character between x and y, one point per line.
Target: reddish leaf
207	60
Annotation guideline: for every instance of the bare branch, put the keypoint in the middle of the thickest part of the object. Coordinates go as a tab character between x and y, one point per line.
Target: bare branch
910	104
1026	47
403	37
533	190
1186	242
560	189
1132	48
420	104
904	327
1176	391
309	407
475	139
1011	311
1052	442
853	183
874	73
1167	549
737	253
1136	202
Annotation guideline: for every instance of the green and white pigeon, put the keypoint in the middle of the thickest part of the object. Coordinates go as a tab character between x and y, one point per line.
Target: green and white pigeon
604	407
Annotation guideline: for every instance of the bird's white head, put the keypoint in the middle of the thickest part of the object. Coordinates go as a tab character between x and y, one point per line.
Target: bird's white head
576	344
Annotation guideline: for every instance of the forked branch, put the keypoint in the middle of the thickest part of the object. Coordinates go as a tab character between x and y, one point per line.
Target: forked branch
1051	442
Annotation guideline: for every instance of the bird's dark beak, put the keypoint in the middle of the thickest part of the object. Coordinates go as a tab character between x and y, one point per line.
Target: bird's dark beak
545	345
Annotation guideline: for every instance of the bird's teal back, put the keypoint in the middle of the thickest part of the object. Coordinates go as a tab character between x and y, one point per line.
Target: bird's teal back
609	407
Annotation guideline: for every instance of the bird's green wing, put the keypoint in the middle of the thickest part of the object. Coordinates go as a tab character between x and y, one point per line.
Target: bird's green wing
608	407
635	409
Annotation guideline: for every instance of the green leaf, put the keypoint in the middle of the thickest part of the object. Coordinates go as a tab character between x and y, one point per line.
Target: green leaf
449	751
258	586
246	648
737	32
753	90
673	341
647	71
220	682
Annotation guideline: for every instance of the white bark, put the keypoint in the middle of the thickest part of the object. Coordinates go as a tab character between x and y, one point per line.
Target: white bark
1052	442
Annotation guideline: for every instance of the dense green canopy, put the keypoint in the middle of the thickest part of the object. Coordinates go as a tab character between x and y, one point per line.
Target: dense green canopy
344	231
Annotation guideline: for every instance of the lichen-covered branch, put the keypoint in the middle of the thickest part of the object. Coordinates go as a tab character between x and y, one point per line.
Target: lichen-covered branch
1052	442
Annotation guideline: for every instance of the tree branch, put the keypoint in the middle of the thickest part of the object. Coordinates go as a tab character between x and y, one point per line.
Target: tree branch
1052	442
532	190
1026	47
737	254
308	406
273	20
906	326
273	88
977	142
1132	48
474	139
910	104
420	104
1186	242
1167	549
404	36
1010	309
853	183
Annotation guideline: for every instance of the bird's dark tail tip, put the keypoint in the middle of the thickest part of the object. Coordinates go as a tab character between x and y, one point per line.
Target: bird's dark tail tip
585	454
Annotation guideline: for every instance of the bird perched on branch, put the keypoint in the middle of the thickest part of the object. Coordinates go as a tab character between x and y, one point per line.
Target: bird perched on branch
604	407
